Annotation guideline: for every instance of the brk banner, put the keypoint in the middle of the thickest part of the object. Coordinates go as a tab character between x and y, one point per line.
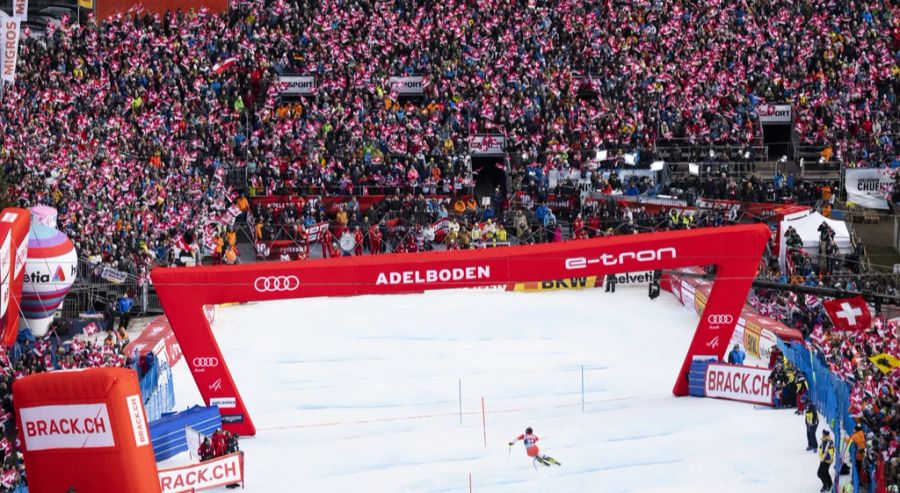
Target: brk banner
739	383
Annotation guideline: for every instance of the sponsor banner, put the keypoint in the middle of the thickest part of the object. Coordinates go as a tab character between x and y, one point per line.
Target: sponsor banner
641	278
431	276
296	85
20	9
223	402
557	285
869	187
407	86
138	420
9	55
739	383
331	203
213	473
114	276
487	145
66	426
774	113
232	418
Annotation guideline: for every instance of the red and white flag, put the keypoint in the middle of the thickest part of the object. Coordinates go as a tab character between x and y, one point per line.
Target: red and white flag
91	329
849	314
224	65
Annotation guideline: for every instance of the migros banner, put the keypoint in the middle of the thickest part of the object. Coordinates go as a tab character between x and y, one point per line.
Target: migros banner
739	383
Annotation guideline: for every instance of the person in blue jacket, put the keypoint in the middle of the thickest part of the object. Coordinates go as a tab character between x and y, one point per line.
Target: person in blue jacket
736	356
123	307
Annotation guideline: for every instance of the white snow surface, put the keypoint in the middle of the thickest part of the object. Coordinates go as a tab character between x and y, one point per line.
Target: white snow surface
362	394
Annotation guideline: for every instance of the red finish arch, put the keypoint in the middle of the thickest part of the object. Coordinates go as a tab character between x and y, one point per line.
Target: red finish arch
736	251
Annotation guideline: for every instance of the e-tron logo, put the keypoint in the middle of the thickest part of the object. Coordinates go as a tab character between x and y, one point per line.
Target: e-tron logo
576	263
208	362
271	284
719	319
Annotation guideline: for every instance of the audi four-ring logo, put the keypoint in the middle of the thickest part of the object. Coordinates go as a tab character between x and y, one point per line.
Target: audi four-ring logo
207	362
720	318
270	284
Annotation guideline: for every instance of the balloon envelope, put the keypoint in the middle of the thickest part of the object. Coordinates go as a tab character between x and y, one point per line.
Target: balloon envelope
49	273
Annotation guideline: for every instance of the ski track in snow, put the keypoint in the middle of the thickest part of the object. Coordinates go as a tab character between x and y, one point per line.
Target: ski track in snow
360	394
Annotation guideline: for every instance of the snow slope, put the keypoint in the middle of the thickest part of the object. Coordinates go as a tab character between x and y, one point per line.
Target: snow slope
362	394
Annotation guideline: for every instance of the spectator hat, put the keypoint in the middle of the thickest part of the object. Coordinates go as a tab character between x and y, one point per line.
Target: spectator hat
825	433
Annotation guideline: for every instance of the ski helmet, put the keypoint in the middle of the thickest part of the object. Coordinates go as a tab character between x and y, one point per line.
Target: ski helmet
528	430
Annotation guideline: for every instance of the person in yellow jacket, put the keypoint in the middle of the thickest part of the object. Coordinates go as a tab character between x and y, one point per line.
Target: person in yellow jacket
501	233
231	238
826	458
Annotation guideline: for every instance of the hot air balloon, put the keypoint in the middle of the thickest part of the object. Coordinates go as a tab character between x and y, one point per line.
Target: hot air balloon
49	273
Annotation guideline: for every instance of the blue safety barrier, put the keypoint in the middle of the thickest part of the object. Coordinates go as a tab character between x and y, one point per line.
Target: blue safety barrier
167	433
831	396
697	377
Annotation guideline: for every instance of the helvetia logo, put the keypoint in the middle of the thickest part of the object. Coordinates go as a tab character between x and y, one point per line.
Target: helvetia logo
59	275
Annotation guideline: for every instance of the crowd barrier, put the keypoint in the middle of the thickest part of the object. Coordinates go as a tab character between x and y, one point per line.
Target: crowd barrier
157	390
167	434
831	396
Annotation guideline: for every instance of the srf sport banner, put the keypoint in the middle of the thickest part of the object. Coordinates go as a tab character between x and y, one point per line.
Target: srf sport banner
870	187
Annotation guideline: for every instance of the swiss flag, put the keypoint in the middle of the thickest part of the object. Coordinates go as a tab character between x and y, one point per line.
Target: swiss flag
849	314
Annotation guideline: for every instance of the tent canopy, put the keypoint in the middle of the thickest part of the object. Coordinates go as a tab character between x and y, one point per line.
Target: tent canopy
807	226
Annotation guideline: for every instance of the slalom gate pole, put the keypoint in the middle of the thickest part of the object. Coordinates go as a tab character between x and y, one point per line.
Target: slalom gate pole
582	388
470	482
484	422
460	401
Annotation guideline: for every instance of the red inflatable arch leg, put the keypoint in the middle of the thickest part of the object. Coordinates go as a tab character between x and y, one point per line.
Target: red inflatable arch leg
735	251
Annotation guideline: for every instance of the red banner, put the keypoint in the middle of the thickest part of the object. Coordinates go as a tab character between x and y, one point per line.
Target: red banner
331	202
735	250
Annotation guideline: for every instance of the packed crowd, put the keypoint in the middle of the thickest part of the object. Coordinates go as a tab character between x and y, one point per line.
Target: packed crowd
38	356
130	126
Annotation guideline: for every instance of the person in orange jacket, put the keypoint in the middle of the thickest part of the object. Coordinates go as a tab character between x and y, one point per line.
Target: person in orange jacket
858	438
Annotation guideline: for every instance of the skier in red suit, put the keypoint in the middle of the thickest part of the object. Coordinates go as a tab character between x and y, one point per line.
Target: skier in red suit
531	448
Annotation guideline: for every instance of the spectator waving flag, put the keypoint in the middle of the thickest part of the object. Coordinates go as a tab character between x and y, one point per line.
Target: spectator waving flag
91	329
849	314
885	362
224	65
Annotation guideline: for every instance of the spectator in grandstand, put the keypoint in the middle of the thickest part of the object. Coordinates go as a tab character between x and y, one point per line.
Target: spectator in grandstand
737	355
123	309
